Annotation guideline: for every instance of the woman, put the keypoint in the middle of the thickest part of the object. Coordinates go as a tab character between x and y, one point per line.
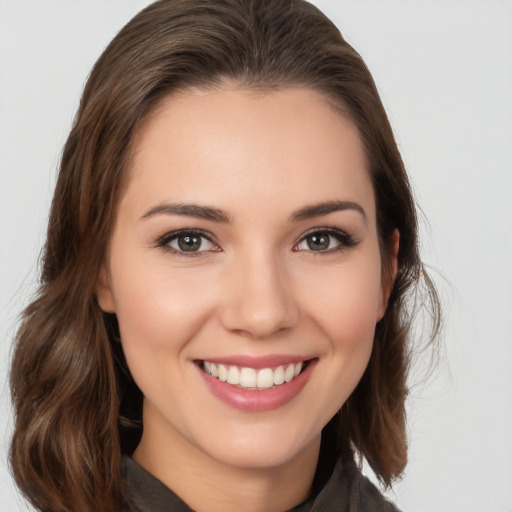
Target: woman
222	319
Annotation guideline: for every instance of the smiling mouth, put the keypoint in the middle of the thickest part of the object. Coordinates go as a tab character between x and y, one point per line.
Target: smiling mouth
251	378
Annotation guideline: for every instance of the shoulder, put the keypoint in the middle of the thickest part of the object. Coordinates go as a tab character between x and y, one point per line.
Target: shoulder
145	493
366	497
348	490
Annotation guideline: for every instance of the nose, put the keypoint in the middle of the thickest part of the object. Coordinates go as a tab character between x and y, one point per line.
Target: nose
259	299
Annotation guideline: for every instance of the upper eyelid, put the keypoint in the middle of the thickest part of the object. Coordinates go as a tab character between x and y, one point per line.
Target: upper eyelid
345	238
163	242
164	239
180	232
324	229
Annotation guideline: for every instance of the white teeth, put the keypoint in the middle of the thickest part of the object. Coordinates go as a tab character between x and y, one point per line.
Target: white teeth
288	373
233	375
265	378
249	378
223	373
278	375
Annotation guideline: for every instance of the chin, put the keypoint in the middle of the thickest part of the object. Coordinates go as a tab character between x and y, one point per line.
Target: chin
264	450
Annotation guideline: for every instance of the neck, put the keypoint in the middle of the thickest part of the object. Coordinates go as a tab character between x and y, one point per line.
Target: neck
206	484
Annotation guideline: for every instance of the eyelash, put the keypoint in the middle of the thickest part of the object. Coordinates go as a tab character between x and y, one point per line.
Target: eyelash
345	241
164	242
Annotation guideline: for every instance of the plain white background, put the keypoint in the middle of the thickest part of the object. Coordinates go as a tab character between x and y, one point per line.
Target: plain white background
444	69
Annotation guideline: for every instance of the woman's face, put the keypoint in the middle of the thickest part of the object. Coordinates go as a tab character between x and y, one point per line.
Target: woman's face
244	253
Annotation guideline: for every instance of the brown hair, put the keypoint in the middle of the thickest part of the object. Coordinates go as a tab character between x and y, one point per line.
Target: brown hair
71	388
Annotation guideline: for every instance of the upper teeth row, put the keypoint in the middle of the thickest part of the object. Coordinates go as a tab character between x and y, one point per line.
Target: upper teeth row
250	378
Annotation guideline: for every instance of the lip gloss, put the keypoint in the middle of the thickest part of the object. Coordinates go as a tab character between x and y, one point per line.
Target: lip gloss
254	400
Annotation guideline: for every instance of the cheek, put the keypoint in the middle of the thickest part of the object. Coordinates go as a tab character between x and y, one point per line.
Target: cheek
346	303
157	309
159	313
342	309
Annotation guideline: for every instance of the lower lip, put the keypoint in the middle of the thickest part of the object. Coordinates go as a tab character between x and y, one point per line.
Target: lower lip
258	400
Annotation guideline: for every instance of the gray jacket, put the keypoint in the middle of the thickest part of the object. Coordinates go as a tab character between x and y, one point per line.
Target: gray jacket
346	490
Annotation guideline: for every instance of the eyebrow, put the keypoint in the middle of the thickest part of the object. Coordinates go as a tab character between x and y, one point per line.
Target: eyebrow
218	215
189	210
319	209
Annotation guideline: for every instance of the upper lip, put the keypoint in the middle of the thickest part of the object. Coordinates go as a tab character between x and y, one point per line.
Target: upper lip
258	362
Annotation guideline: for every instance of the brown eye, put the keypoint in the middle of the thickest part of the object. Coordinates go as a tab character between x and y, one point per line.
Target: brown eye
328	240
318	241
189	243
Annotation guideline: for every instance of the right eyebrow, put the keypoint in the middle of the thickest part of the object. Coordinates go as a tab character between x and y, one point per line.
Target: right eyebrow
188	210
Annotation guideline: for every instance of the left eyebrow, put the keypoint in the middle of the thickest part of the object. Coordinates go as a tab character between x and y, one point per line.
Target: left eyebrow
319	209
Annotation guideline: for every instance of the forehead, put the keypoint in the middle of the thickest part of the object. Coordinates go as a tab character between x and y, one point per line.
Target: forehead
205	145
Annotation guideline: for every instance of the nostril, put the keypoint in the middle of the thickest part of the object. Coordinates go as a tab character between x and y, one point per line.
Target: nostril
257	301
257	320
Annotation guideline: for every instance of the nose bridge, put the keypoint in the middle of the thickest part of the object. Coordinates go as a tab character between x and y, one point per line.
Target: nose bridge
260	298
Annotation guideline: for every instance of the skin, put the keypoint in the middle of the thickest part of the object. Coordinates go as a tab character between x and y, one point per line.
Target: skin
257	288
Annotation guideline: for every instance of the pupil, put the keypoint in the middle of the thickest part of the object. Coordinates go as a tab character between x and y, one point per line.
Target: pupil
318	242
189	243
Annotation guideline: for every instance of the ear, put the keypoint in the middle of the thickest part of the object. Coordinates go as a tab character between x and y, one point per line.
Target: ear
104	294
389	273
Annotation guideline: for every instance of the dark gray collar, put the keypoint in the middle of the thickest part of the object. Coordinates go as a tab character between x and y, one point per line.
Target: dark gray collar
346	490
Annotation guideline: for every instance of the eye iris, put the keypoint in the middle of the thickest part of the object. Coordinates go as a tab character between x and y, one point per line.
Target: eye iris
189	243
318	242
